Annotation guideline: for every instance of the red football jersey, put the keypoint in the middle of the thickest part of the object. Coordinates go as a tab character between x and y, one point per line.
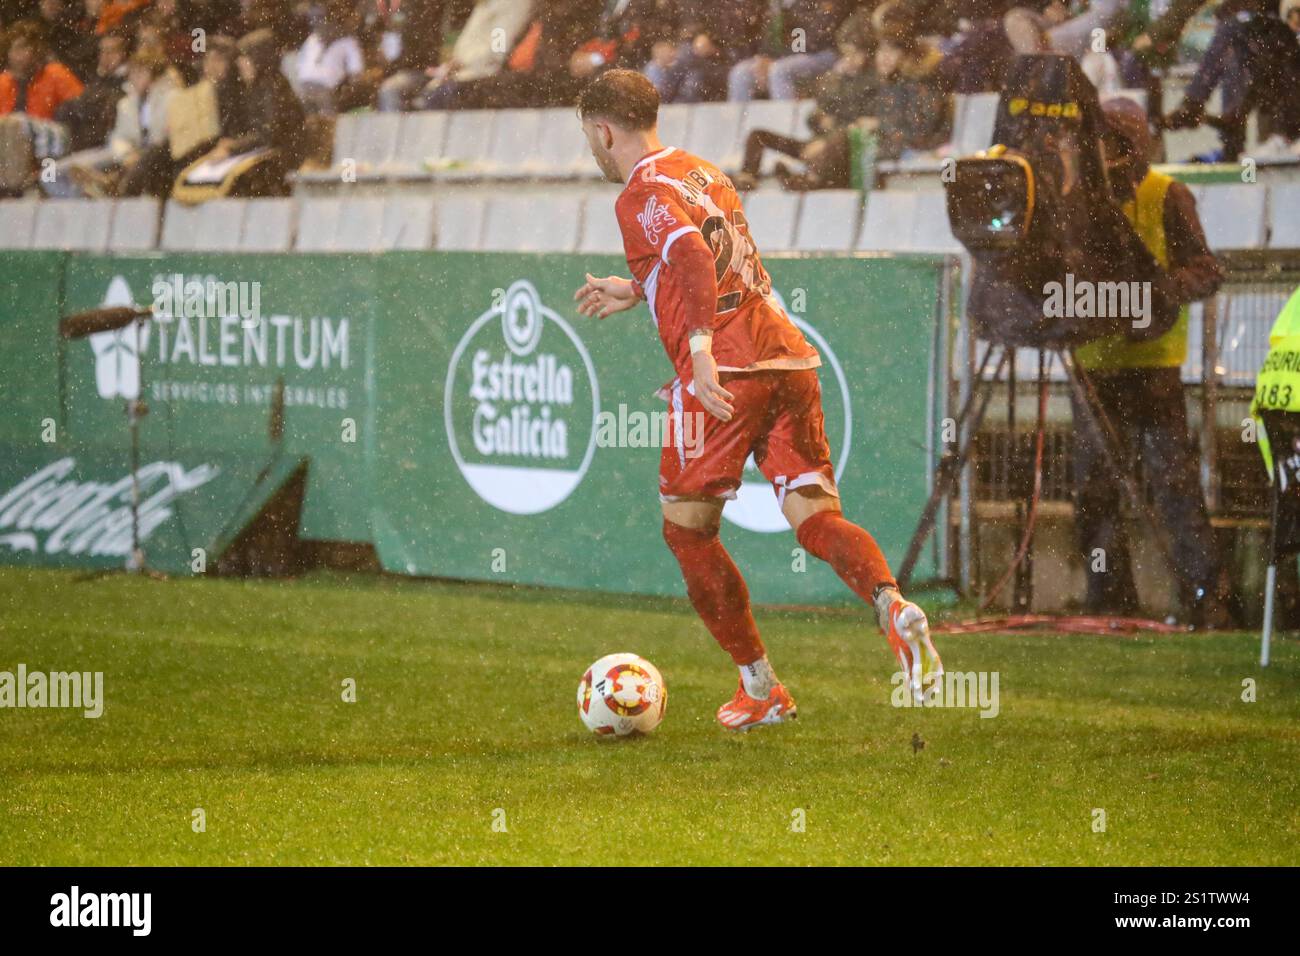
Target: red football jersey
670	194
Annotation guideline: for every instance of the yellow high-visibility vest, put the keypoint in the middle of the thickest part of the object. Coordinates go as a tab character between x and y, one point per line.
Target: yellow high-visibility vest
1146	211
1277	387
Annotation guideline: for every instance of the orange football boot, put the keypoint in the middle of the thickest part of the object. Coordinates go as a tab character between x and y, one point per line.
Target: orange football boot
743	711
909	636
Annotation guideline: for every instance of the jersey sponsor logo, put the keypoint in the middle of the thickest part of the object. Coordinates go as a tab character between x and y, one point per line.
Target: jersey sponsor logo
654	219
521	404
755	508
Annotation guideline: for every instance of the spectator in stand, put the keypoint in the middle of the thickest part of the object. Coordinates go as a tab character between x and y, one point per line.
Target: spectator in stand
845	94
479	54
1028	25
90	116
1289	10
163	28
913	111
807	49
418	24
272	116
69	44
330	59
1254	57
286	20
538	72
31	90
158	165
713	38
35	83
976	59
141	124
627	34
119	13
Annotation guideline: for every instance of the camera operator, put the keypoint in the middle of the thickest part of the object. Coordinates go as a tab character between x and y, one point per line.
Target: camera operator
1139	386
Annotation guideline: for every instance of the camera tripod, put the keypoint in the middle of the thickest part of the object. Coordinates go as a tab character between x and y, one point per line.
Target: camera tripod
971	415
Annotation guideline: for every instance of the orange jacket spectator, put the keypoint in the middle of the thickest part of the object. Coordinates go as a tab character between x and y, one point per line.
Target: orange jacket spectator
115	11
52	85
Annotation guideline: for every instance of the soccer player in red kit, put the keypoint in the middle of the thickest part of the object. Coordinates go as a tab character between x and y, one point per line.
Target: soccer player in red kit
742	369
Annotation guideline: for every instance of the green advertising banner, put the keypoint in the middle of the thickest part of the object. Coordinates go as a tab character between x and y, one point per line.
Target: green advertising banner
454	408
71	507
517	440
232	330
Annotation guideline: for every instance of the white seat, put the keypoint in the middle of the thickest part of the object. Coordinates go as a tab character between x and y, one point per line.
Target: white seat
458	221
135	224
532	224
514	142
328	224
407	223
887	224
828	220
771	214
78	225
221	225
714	129
469	142
17	223
1233	215
600	231
562	152
268	226
674	124
180	227
318	223
360	226
931	230
346	129
420	142
376	142
1284	216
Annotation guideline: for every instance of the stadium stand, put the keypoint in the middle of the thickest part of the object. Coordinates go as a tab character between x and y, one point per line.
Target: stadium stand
75	225
1284	216
828	221
1234	216
135	224
459	222
17	223
500	215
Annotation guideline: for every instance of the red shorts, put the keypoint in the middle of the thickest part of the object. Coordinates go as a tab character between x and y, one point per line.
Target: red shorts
778	417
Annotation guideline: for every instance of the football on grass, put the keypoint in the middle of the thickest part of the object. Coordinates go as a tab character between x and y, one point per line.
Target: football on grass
622	694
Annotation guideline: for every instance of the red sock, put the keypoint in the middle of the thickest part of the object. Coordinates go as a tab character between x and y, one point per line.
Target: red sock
850	550
717	590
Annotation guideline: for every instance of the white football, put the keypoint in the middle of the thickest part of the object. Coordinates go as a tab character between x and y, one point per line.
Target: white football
622	694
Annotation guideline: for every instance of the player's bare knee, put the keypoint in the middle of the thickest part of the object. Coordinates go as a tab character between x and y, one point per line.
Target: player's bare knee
800	504
696	514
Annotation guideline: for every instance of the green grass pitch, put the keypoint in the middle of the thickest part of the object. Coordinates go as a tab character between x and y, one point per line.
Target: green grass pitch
226	695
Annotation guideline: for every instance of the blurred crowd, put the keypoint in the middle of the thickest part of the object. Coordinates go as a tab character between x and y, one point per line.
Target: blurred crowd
143	97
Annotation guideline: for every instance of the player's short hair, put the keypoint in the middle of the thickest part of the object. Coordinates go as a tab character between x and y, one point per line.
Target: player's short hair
624	97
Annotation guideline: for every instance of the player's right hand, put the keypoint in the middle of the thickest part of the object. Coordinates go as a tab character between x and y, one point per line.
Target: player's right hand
715	399
599	298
